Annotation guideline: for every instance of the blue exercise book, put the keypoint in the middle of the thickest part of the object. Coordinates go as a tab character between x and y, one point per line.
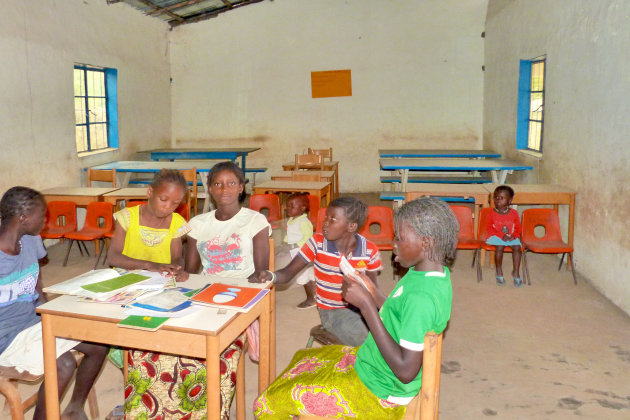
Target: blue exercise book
167	300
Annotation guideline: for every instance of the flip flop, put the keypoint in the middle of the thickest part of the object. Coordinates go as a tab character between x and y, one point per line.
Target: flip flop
500	281
518	282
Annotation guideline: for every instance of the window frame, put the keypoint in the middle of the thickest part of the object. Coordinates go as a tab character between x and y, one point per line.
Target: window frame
111	107
524	118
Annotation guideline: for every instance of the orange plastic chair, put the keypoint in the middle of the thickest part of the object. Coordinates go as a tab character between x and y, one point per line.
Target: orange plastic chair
313	202
482	236
99	220
61	218
466	239
134	203
550	243
183	210
384	218
321	215
271	202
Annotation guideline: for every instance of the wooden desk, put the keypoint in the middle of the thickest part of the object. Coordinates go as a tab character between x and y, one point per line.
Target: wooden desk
82	196
214	153
114	197
329	165
437	153
319	189
327	176
204	334
544	194
475	191
499	168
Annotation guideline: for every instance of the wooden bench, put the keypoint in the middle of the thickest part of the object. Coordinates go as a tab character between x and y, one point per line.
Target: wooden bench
417	179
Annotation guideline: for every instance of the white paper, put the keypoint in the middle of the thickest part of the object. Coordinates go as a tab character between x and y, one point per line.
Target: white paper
350	271
156	281
73	286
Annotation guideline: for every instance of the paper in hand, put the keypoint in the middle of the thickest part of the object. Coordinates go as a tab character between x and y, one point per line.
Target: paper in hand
350	271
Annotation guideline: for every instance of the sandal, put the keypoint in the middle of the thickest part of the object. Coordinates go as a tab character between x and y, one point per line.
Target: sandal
518	282
500	281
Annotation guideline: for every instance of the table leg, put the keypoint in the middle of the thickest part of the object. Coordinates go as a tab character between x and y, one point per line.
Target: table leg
213	378
265	348
403	181
272	335
50	369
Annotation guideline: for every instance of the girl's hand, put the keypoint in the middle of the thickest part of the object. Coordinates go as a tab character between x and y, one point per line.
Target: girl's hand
354	293
169	269
182	275
507	238
260	277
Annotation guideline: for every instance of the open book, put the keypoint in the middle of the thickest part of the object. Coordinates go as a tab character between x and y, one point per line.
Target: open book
237	298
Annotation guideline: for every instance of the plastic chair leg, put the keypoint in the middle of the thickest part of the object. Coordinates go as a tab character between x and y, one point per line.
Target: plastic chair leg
70	242
479	272
526	276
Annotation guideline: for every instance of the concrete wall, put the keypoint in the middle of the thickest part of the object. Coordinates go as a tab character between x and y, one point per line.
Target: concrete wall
40	40
586	117
244	78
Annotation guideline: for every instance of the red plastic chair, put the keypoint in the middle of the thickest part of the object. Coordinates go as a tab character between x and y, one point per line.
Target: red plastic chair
313	202
61	218
482	237
321	216
271	202
134	203
550	243
99	220
384	218
466	239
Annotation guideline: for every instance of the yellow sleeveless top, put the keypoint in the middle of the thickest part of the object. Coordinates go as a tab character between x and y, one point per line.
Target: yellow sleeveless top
147	243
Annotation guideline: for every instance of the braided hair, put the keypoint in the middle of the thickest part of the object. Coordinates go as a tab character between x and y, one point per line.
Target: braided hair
169	176
356	210
433	218
18	201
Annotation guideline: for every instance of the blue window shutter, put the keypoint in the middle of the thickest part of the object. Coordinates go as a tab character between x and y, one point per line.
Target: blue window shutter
522	110
111	82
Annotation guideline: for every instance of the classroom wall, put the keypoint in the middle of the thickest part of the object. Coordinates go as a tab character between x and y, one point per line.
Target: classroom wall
244	78
586	117
40	40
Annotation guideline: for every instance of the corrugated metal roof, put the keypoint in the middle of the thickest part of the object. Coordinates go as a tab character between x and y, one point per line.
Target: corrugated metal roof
179	12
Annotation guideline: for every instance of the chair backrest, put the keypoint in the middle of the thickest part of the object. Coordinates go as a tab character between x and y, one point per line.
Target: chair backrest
190	175
547	218
321	215
482	228
313	202
306	176
134	203
99	216
309	161
61	214
271	202
466	223
183	210
102	175
383	217
326	153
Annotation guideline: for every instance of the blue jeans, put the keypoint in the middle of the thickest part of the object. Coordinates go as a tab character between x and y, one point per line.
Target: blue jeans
347	324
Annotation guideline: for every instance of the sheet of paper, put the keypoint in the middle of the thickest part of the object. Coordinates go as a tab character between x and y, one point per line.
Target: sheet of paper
350	271
73	286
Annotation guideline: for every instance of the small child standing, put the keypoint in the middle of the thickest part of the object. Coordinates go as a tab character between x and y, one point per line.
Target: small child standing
504	229
299	230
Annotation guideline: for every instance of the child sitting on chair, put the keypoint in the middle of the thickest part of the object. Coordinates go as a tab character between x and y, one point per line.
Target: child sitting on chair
299	230
378	379
504	229
339	238
23	213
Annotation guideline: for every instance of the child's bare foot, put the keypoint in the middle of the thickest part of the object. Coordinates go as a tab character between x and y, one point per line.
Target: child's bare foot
308	303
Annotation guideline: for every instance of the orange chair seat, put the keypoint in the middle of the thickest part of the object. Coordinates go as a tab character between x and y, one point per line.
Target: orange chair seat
85	234
467	244
549	247
55	233
493	248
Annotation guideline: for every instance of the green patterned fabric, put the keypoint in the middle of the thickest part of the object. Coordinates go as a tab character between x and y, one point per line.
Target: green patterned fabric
322	382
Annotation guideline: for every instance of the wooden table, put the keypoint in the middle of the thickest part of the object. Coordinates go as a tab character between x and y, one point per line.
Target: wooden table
544	194
130	193
82	196
475	191
214	153
329	165
327	176
499	168
204	334
437	153
319	189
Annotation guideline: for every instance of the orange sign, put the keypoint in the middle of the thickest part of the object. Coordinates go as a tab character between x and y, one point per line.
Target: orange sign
327	84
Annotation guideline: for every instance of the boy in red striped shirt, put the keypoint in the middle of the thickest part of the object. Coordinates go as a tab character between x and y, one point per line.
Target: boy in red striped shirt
344	217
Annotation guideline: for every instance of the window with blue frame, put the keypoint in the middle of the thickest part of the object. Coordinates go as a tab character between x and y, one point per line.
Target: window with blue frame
95	108
531	102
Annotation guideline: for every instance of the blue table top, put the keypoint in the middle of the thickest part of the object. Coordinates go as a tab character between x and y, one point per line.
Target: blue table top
437	153
140	166
428	164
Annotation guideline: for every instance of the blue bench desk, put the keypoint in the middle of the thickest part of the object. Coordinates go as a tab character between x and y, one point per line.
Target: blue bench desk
214	153
419	179
437	153
498	168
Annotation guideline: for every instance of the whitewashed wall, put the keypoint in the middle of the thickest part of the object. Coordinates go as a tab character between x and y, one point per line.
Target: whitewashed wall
587	123
244	78
40	40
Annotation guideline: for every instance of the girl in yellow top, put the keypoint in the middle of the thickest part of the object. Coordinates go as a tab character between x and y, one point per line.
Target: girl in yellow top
149	236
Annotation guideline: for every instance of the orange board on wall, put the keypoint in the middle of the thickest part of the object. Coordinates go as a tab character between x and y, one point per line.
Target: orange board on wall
327	84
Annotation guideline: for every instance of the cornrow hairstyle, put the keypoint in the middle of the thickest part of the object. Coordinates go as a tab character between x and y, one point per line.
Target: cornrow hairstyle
356	210
228	166
302	198
169	176
505	188
18	201
433	218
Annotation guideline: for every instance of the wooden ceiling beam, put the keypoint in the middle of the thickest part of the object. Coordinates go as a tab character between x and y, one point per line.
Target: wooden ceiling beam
161	10
214	13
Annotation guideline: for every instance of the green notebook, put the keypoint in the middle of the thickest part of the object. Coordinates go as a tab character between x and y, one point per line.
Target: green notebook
116	283
143	322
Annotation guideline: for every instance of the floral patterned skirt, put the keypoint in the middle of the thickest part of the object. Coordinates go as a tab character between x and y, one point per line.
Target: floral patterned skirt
162	386
322	382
